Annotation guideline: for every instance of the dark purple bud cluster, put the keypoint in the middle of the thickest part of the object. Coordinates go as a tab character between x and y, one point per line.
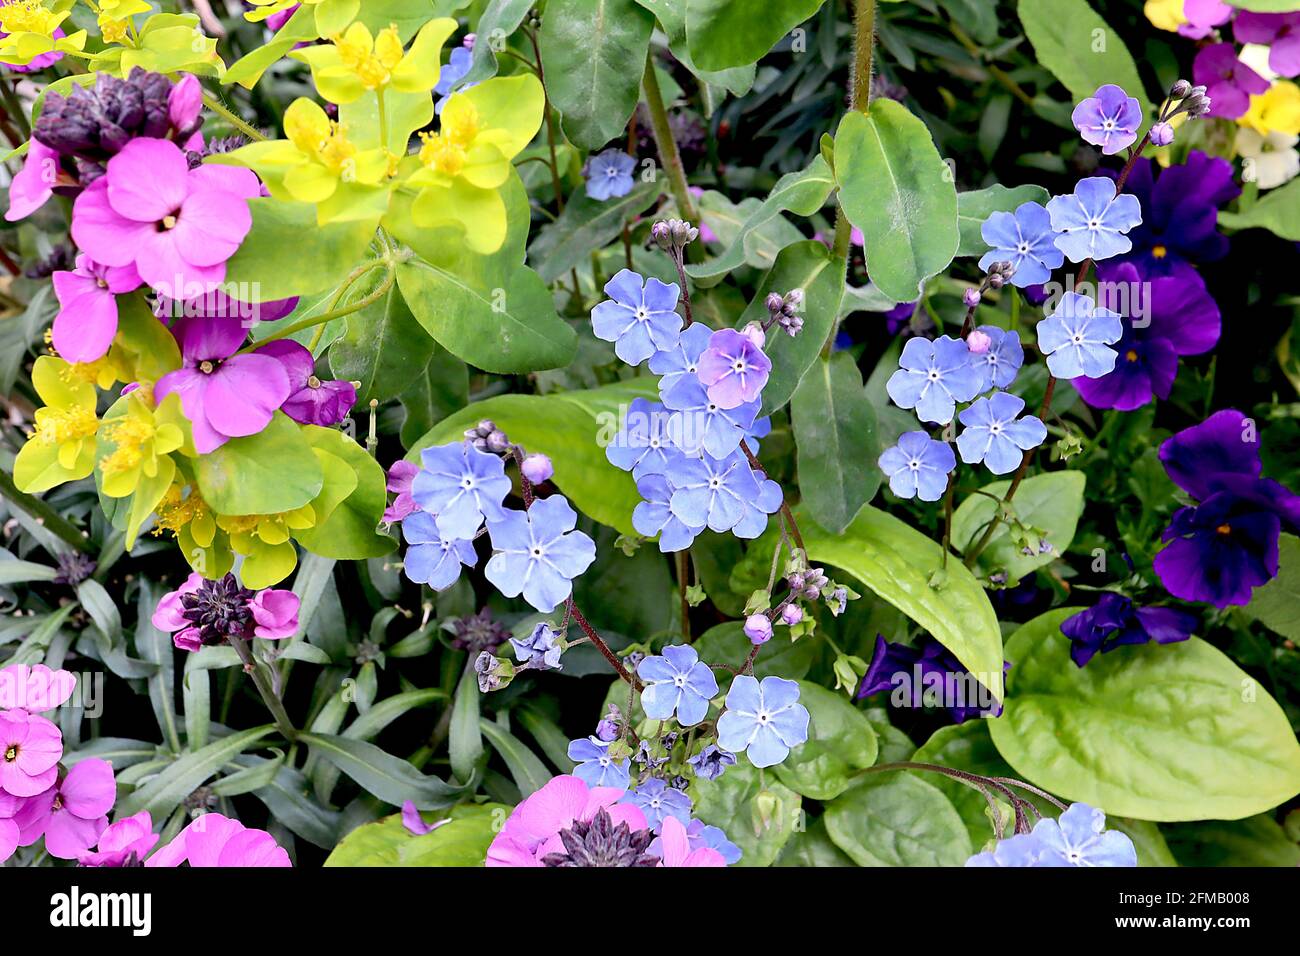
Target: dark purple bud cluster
74	567
478	632
999	274
219	609
601	843
485	436
784	310
1183	98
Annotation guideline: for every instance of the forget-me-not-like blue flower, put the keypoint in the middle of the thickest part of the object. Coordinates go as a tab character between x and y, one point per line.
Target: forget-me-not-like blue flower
541	649
676	367
1110	118
537	553
462	486
1025	239
656	800
596	768
654	516
432	559
609	174
712	491
700	425
711	762
1076	338
1092	221
1078	838
678	684
932	377
642	445
764	720
1001	361
995	436
918	466
639	317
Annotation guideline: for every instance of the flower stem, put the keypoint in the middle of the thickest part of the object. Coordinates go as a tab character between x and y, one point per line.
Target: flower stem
45	516
314	320
683	570
785	505
601	646
214	104
668	154
273	703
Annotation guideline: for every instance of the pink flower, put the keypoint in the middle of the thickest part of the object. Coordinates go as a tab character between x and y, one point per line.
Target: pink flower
271	614
675	849
275	613
311	401
169	615
35	182
400	476
179	226
30	748
533	829
9	832
87	321
216	840
414	823
1202	17
224	395
216	303
71	814
34	689
125	843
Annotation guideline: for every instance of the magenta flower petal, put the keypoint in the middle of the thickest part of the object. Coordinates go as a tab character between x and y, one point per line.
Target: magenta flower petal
148	180
86	323
185	103
8	839
244	393
275	613
34	184
227	179
67	835
104	235
89	789
210	226
191	385
167	616
209	339
295	357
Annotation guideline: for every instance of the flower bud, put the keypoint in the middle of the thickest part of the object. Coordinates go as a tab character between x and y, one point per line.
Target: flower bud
791	615
971	297
775	302
995	280
1162	134
493	672
978	342
1179	90
497	442
662	234
758	629
537	468
754	332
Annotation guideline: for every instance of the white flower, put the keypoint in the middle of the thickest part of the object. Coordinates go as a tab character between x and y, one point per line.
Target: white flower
1270	160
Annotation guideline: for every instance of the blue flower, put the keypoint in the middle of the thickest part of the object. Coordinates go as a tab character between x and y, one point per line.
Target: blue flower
1001	361
711	762
1025	239
642	445
677	683
995	436
609	174
596	768
538	553
933	376
711	491
699	425
639	317
432	559
676	366
453	71
1092	221
462	486
654	516
698	836
540	650
1075	338
753	520
1078	838
1109	118
918	466
764	720
656	800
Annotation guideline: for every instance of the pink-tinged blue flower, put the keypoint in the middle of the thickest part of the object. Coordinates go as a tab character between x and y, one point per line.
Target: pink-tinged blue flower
699	836
1115	621
1092	221
1280	32
1180	211
918	466
658	801
1000	362
994	435
933	376
1229	82
763	720
1078	838
1109	118
678	684
1176	317
537	552
311	401
1020	849
609	174
712	491
700	425
677	366
540	650
596	768
897	667
639	317
733	369
87	319
224	395
462	486
1026	239
642	446
1076	336
711	762
753	521
432	559
654	516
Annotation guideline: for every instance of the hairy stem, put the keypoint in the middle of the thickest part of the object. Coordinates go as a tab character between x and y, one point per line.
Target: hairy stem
668	155
273	703
214	104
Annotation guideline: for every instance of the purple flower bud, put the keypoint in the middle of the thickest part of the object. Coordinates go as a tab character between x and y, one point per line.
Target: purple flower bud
1162	134
758	629
791	614
607	730
497	441
971	297
537	468
468	41
1179	90
775	302
754	332
978	342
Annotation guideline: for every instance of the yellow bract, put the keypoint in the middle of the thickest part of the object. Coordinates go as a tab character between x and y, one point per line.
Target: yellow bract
30	16
1165	14
356	62
62	446
266	543
1276	110
139	438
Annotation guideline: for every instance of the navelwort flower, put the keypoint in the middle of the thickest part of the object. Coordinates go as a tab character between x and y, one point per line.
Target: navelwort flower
678	684
609	174
1000	361
538	553
640	316
1092	221
1109	118
933	377
1076	336
918	466
462	486
994	435
677	366
432	559
734	368
654	515
710	491
658	801
1026	239
763	720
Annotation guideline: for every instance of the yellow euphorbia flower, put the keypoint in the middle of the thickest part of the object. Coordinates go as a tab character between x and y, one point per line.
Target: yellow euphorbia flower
266	543
464	164
1165	14
115	18
62	447
183	512
140	438
30	25
1276	110
356	62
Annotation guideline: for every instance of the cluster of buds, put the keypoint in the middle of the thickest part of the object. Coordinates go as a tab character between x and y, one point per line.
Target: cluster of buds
1183	98
485	436
783	310
673	235
808	584
999	274
477	632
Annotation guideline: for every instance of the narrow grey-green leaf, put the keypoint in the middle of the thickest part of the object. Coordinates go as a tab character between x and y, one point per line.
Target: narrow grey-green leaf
378	772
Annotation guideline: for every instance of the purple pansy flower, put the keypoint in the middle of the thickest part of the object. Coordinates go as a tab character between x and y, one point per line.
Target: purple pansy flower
895	666
1076	338
1109	118
1115	621
1092	221
933	376
224	395
462	486
609	174
918	466
87	319
311	401
639	316
654	516
733	369
1026	239
432	559
994	435
677	684
1280	32
1229	82
538	553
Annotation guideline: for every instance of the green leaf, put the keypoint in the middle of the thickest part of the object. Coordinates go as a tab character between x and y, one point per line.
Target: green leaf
465	740
977	205
1263	6
840	742
1277	603
1051	502
1278	211
442	388
1080	50
897	819
760	246
383	347
586	225
529	773
1158	732
500	19
568	427
287	253
167	790
1255	841
897	563
671	15
759	820
350	532
722	34
835	431
267	473
22	572
378	772
810	266
896	188
803	192
813	847
463	841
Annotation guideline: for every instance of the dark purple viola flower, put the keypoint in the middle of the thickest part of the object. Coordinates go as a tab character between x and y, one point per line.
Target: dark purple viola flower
1180	214
1224	444
927	672
1114	621
1162	319
311	401
1229	83
1280	32
898	317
